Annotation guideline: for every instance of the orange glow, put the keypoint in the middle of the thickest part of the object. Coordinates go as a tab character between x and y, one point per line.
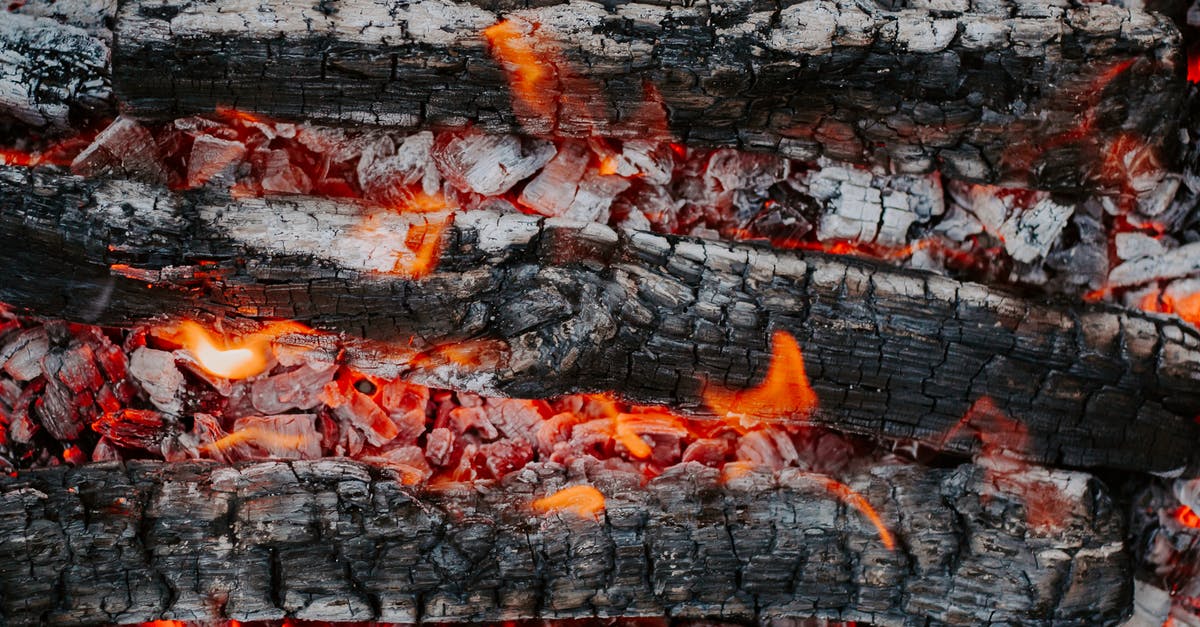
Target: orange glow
239	115
856	500
582	500
1186	517
425	243
996	431
1186	307
254	435
245	359
784	393
631	427
530	72
608	165
424	203
1193	71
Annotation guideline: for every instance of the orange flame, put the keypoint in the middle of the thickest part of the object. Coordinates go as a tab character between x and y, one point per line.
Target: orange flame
857	501
582	500
784	393
425	242
246	359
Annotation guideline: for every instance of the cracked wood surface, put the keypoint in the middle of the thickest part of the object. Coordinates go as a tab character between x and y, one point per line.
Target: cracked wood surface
338	540
52	76
1006	91
580	307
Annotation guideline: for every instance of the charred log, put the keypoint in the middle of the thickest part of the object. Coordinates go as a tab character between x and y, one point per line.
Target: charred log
1012	92
336	540
579	307
52	76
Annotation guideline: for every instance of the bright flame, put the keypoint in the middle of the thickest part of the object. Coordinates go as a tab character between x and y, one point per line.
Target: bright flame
857	501
582	500
250	358
784	393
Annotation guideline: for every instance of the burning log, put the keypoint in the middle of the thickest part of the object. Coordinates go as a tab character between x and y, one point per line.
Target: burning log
509	304
337	540
1017	92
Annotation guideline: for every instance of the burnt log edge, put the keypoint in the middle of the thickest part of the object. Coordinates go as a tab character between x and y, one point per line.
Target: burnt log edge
580	307
338	540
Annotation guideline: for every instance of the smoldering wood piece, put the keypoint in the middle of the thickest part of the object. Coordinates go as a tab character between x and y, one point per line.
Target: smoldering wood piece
986	91
580	307
52	75
338	540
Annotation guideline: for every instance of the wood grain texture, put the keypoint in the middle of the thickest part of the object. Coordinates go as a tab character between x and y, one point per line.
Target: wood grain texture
579	307
337	540
1024	93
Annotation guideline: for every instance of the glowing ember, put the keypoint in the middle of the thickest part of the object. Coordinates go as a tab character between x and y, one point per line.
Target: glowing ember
245	359
582	500
1186	517
856	500
1193	73
531	73
424	241
784	393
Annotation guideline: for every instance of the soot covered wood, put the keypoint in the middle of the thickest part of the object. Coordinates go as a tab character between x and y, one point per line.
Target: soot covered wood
580	307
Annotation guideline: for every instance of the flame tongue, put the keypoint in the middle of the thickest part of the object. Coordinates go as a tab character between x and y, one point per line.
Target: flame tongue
248	359
785	393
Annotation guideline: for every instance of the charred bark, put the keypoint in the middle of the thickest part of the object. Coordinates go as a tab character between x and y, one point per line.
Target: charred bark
53	77
337	540
1012	92
580	307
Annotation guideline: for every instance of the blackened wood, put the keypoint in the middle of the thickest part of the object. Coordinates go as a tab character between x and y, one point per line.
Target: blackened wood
1014	92
53	77
580	307
337	540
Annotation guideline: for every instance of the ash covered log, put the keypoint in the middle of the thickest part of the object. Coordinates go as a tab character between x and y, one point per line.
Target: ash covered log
337	540
1015	92
53	76
579	307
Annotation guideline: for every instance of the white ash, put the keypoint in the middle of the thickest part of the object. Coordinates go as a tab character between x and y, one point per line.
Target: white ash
157	376
47	67
1135	245
864	207
1173	264
22	355
1028	223
386	167
489	164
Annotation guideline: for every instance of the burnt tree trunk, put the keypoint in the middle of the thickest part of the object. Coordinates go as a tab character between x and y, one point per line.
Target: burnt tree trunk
338	540
580	307
1011	92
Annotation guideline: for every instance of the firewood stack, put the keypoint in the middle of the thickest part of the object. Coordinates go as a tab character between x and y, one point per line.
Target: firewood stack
485	311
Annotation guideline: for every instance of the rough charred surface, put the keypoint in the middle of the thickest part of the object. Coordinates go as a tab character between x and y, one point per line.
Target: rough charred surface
52	75
580	307
1005	91
337	540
